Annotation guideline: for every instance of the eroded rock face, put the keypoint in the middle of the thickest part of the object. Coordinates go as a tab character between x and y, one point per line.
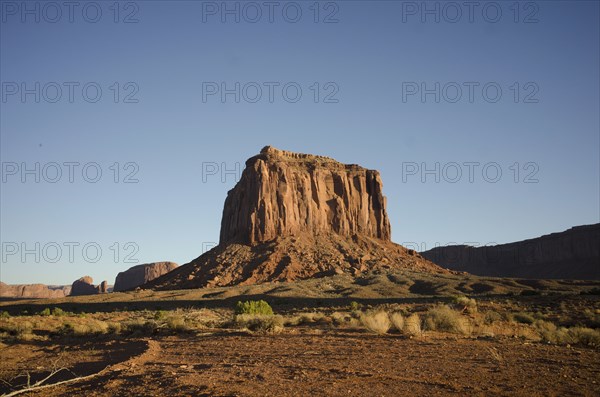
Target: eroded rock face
572	254
282	193
141	274
33	291
296	216
85	286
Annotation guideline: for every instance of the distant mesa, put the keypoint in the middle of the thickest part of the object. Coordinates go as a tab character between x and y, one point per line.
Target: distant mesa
572	254
141	274
295	216
33	291
85	286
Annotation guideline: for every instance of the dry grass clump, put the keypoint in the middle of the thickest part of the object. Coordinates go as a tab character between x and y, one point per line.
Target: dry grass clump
397	321
523	318
378	322
412	325
443	318
550	333
468	304
140	327
91	327
260	323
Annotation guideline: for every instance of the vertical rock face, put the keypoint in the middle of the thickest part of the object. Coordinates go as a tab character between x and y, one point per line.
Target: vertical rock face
574	254
282	193
141	274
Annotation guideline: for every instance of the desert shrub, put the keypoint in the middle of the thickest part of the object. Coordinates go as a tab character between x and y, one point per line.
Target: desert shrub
524	318
160	315
140	327
57	311
355	306
17	329
4	314
397	321
584	336
176	323
262	323
114	328
378	322
468	303
491	317
253	307
443	318
340	318
94	327
45	312
412	325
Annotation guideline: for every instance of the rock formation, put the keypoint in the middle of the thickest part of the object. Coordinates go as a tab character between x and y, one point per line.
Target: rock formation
33	291
141	274
294	216
572	254
85	286
282	193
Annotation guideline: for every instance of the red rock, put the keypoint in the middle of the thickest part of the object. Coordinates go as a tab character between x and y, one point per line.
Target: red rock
295	216
141	274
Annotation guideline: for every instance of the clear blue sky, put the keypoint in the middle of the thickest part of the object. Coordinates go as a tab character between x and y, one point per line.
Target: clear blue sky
375	52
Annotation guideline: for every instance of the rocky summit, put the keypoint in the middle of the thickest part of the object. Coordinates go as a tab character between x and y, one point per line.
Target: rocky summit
295	216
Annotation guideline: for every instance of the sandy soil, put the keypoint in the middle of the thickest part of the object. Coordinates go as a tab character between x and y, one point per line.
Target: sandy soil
308	362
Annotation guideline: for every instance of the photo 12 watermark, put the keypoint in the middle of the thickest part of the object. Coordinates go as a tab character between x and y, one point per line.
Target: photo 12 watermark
221	171
469	172
69	172
68	251
71	12
289	12
269	92
522	12
469	92
68	92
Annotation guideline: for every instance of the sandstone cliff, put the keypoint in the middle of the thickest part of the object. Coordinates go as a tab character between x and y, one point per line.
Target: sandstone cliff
141	274
33	291
282	193
294	216
85	286
572	254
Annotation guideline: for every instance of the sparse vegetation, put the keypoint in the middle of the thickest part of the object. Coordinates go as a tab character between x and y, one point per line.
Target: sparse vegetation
412	325
262	323
524	318
397	321
378	322
443	318
253	307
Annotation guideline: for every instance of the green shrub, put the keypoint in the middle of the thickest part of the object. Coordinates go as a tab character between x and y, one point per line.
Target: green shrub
57	311
45	312
160	315
253	307
4	314
443	318
355	306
